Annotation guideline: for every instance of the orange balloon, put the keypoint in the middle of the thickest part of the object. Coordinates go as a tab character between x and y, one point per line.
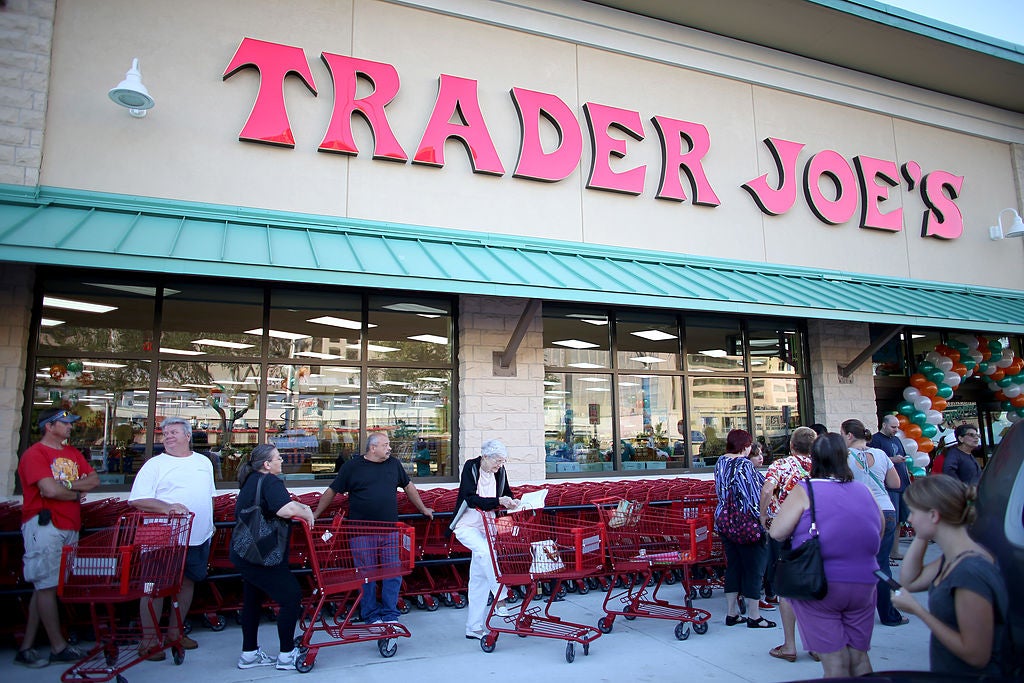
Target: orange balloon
938	403
986	354
917	380
925	445
997	375
960	369
1017	401
953	355
913	431
1017	365
1000	396
930	390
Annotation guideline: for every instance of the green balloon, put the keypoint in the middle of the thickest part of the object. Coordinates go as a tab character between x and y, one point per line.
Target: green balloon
968	362
945	391
1005	406
936	375
995	347
929	430
983	367
919	418
906	408
1005	382
925	366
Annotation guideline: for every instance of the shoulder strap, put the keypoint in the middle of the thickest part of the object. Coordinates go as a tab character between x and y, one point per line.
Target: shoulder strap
814	521
858	455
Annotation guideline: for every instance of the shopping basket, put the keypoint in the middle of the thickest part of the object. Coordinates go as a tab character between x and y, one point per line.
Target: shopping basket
142	556
528	548
645	544
344	554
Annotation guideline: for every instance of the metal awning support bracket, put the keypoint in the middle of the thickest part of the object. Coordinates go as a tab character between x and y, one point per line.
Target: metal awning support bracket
851	367
504	361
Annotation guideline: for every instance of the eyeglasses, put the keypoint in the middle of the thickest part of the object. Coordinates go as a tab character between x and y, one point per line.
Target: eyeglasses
972	435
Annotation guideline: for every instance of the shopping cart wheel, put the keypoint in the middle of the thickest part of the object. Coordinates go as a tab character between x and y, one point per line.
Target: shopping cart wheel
216	623
178	655
670	578
387	647
682	631
586	649
459	601
692	594
488	642
110	653
583	587
304	663
570	652
446	599
700	628
121	679
705	591
403	606
432	603
628	609
604	624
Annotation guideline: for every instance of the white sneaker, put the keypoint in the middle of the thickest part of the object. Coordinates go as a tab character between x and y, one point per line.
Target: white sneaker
250	660
502	610
286	660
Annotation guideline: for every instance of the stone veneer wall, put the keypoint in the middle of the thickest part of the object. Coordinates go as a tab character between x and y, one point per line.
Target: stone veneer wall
495	407
834	343
15	314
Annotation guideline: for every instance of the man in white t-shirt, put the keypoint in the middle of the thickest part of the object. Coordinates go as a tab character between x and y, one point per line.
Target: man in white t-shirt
178	481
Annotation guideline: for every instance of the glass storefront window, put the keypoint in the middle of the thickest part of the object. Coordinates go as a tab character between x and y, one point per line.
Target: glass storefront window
650	414
776	407
414	407
578	422
212	320
315	325
96	313
890	358
576	338
713	345
112	398
716	405
921	342
408	329
774	347
646	342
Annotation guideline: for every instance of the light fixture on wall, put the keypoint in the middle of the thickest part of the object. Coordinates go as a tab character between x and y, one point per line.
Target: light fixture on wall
130	92
1016	230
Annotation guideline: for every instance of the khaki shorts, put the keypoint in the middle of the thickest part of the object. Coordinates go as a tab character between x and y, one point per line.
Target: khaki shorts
42	552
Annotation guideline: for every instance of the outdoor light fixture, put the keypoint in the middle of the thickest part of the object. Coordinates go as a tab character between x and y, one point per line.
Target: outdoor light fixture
995	232
130	92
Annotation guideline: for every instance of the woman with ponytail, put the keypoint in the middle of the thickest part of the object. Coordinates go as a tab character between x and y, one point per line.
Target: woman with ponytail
259	582
967	598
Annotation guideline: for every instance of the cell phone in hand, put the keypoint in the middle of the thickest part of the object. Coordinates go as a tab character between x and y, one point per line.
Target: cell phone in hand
893	583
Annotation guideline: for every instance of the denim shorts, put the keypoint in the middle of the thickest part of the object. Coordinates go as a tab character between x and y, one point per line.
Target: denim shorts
196	561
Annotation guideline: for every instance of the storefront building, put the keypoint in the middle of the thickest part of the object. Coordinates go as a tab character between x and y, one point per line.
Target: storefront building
590	230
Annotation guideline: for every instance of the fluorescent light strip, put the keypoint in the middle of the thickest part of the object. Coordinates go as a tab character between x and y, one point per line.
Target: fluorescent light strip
585	366
277	334
394	383
339	322
429	338
647	359
414	308
221	343
72	305
575	344
181	352
653	335
50	322
316	354
98	364
434	379
346	370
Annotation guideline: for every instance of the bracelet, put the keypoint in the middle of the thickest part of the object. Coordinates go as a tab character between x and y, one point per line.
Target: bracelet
66	484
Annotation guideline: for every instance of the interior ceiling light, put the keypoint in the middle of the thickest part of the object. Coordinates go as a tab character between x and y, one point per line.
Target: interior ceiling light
429	338
394	383
277	334
405	307
181	352
647	359
339	322
434	379
375	347
585	366
653	335
50	322
714	353
593	379
316	354
73	305
131	93
221	343
575	344
346	370
100	364
598	389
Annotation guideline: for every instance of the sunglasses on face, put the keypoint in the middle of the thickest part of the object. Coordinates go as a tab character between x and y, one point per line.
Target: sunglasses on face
62	415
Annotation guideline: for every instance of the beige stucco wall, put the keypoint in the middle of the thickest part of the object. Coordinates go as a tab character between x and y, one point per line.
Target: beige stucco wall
833	344
187	148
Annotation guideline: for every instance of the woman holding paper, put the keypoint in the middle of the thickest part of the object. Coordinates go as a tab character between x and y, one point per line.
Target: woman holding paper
482	489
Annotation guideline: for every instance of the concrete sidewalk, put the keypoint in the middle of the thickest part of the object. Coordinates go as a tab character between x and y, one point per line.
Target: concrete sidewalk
640	650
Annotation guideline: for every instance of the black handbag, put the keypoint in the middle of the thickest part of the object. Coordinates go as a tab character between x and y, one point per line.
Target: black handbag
800	572
259	540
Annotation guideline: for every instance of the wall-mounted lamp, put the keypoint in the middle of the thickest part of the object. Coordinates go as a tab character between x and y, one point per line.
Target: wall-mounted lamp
130	92
995	232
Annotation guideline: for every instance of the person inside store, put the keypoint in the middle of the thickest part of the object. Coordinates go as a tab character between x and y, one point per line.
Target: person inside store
736	477
53	476
421	454
628	452
885	440
873	468
782	477
959	462
177	481
483	488
838	627
262	470
968	604
371	481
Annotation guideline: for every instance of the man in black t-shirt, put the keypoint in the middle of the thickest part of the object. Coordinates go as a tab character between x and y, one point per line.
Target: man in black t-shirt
372	481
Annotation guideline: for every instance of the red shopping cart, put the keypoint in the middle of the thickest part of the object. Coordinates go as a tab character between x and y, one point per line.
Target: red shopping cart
142	556
528	548
645	545
344	554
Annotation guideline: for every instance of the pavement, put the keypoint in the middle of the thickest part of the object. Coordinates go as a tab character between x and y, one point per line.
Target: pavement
645	649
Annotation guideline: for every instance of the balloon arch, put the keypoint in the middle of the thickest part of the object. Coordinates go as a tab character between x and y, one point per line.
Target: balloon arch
943	369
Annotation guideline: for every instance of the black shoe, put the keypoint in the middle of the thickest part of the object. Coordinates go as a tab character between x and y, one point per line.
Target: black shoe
732	621
760	622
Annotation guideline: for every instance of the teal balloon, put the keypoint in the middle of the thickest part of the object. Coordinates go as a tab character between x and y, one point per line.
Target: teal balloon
968	362
1005	406
928	431
945	391
957	344
919	418
917	471
925	367
983	367
906	408
995	347
1005	382
936	375
1020	411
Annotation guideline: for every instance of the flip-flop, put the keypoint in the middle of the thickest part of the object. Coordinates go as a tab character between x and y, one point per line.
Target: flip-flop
814	655
779	654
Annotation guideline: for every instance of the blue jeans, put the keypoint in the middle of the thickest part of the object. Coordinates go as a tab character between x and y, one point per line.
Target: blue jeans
888	614
378	555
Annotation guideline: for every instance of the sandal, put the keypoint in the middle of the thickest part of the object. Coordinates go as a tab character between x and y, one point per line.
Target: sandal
732	621
779	654
760	622
893	562
814	655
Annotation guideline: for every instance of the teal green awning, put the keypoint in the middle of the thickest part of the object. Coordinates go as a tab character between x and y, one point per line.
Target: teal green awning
61	227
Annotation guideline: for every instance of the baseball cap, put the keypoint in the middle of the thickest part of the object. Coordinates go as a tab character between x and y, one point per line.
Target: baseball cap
57	415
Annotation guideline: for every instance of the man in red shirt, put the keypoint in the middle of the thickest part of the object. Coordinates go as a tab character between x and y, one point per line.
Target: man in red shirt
54	476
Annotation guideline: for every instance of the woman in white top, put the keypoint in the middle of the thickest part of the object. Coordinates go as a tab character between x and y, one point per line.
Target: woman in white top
872	467
483	488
